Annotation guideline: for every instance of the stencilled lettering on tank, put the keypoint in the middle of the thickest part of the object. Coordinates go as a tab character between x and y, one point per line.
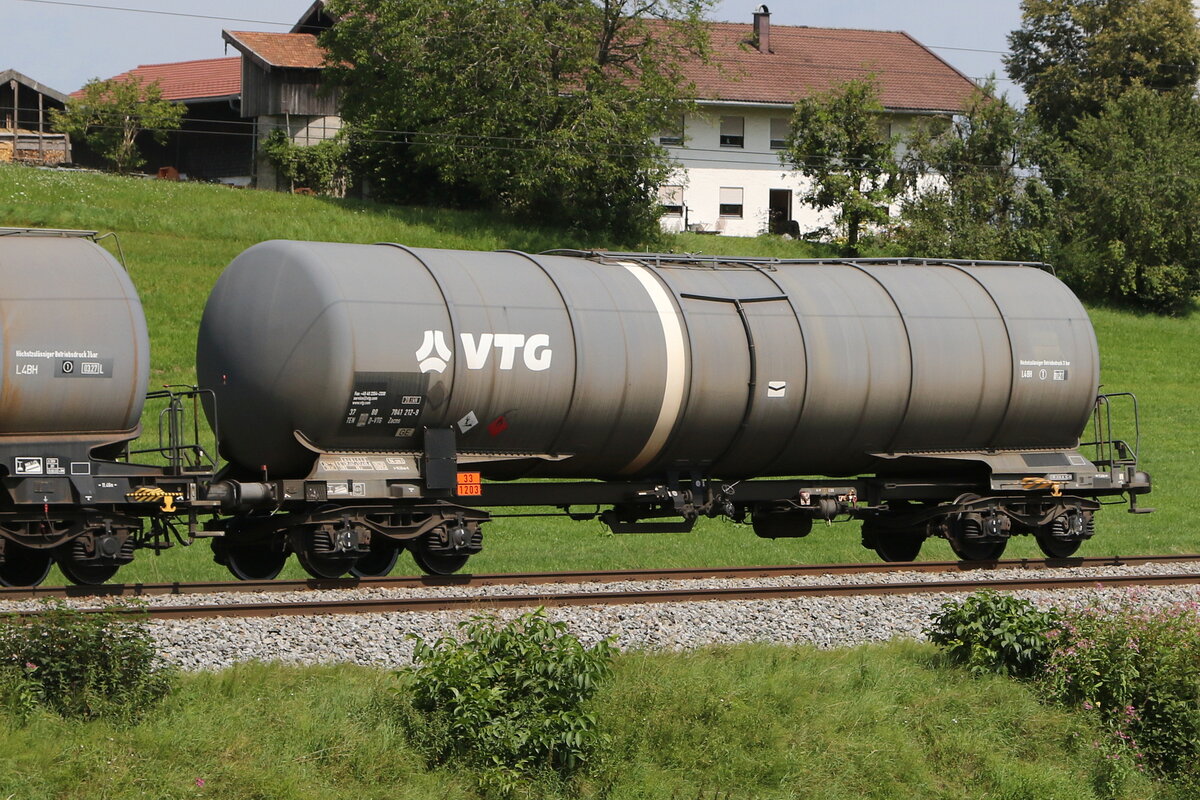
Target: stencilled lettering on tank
82	363
384	404
532	350
1042	369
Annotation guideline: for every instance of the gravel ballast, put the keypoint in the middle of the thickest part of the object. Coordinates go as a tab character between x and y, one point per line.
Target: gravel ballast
386	640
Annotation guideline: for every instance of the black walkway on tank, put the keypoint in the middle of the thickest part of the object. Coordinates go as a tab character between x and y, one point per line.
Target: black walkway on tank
52	232
694	259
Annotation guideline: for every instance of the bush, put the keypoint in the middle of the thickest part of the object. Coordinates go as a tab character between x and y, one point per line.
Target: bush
320	167
991	632
1138	670
81	664
508	699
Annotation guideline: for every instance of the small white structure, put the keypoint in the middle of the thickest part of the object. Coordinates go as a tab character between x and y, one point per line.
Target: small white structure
730	178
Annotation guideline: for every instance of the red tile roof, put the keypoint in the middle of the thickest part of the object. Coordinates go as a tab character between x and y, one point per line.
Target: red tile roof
206	79
804	61
288	50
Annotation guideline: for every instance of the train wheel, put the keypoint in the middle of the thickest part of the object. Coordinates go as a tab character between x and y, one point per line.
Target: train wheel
899	546
975	550
439	563
1056	548
1063	536
24	566
381	560
84	574
328	552
972	537
322	566
253	563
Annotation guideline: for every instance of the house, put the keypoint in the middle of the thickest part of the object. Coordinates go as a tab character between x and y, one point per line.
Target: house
214	143
25	135
730	179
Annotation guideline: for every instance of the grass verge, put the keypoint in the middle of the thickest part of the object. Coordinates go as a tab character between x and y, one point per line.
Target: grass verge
763	722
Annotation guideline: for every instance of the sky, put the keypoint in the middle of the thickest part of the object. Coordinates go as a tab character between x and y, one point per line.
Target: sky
64	43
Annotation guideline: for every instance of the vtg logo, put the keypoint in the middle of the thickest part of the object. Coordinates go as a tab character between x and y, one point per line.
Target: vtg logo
434	354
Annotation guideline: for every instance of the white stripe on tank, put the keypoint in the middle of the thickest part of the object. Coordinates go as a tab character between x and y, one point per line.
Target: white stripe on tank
676	371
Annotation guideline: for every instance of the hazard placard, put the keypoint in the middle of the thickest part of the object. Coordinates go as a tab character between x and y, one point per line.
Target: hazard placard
469	484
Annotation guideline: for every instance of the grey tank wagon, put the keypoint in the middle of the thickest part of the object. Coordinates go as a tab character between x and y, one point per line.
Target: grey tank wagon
375	398
372	399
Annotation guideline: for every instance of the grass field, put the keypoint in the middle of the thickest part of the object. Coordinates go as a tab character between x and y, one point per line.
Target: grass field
743	723
178	237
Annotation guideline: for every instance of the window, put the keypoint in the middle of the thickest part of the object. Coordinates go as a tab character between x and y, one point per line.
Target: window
779	132
671	198
733	131
672	135
731	201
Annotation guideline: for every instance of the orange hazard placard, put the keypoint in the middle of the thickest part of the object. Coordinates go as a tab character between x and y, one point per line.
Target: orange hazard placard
469	484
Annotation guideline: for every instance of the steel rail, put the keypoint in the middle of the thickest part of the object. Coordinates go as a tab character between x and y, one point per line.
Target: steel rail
600	576
443	603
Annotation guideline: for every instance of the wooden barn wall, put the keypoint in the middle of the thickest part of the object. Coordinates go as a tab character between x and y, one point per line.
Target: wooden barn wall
283	91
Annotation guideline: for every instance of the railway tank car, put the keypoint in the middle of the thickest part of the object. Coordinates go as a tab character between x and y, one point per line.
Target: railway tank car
76	361
375	398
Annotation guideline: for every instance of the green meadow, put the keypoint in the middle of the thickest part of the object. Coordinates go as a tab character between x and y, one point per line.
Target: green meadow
734	723
177	237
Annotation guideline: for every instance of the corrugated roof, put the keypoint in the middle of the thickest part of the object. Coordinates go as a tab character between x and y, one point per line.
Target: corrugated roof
805	61
286	50
206	79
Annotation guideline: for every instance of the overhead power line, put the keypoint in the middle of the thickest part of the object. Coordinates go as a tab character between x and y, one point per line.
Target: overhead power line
290	24
156	12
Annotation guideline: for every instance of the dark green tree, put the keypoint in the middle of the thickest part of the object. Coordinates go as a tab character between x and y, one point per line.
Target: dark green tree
974	191
110	115
543	108
1131	186
838	141
1073	56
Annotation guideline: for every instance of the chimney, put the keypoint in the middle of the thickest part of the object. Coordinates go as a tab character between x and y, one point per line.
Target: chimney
762	29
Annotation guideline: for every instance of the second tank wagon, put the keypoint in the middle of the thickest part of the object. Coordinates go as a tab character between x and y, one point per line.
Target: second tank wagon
930	397
621	367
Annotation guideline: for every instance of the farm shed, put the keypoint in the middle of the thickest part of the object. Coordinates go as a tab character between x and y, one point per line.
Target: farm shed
282	90
214	144
25	135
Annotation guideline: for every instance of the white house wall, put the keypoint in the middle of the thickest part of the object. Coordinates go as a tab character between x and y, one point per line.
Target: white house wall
705	167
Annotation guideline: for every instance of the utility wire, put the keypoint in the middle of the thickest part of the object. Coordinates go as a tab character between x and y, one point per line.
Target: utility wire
292	24
156	12
942	168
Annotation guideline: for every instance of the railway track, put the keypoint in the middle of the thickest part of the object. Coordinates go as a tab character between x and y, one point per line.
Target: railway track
330	603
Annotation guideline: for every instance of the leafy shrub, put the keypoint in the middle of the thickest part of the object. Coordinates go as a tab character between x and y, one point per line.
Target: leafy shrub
81	664
1138	670
321	167
508	699
992	632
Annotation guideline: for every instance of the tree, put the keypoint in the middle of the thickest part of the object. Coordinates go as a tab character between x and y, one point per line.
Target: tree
111	113
1073	56
1131	184
837	140
543	108
975	192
